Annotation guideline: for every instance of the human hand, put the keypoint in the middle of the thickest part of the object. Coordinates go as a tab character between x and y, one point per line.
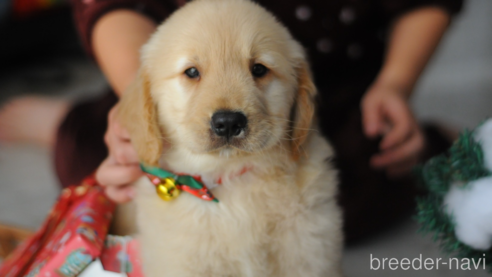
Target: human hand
121	167
385	112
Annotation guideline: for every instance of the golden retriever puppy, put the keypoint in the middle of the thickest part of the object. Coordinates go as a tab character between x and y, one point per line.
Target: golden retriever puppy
225	93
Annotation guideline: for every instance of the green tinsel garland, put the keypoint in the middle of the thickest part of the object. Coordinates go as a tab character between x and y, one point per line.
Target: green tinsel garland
462	163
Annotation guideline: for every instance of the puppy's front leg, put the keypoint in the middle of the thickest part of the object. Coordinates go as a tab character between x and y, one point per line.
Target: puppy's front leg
166	250
310	243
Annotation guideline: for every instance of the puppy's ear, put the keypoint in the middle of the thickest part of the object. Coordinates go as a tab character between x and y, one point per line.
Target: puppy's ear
303	109
138	114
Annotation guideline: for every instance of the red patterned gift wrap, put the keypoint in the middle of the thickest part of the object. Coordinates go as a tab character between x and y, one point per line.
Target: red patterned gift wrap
72	236
122	254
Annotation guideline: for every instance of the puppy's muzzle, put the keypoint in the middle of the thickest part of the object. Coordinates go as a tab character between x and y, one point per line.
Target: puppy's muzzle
228	124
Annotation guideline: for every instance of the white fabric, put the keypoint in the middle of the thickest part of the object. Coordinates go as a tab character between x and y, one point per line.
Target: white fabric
95	269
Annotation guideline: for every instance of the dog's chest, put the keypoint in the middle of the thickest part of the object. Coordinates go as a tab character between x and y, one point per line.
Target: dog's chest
240	227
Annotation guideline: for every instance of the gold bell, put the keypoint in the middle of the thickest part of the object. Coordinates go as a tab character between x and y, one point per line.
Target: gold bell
167	190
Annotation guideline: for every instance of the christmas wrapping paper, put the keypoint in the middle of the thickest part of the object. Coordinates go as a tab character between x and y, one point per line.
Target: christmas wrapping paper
72	236
121	254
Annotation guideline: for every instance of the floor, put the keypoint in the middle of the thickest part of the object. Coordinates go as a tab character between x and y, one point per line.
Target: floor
456	89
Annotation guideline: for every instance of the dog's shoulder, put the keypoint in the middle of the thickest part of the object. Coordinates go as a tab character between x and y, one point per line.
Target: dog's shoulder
316	172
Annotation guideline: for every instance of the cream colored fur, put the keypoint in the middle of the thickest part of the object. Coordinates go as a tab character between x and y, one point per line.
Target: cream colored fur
278	219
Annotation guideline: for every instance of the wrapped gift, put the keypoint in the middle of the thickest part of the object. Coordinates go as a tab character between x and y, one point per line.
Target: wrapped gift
70	239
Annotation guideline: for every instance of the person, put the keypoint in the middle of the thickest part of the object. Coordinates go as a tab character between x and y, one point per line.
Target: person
366	58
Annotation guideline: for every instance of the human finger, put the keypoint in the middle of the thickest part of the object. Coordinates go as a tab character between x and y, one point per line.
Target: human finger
120	131
121	194
120	148
371	116
124	153
413	146
111	174
402	125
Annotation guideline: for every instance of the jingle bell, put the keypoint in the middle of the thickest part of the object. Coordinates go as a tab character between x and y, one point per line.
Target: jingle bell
167	189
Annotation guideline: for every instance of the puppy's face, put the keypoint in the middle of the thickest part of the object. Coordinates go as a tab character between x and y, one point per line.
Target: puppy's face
225	78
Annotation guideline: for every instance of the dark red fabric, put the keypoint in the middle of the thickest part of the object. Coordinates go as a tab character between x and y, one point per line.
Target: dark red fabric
87	12
80	147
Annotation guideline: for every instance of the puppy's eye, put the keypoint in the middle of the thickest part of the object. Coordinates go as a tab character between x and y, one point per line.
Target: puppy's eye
192	72
259	70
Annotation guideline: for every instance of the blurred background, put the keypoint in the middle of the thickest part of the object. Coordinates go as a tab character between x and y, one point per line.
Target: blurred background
456	90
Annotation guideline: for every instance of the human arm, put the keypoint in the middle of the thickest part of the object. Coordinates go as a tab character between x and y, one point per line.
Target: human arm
414	37
116	41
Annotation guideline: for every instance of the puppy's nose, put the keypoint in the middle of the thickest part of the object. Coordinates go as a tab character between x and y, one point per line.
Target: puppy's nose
228	124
